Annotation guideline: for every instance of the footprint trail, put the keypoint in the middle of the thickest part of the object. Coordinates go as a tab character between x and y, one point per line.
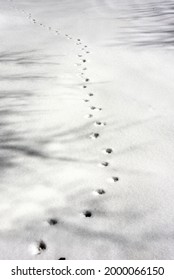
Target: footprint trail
83	66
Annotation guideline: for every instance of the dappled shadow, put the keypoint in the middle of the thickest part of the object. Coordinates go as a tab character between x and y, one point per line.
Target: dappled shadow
19	141
31	57
143	23
25	77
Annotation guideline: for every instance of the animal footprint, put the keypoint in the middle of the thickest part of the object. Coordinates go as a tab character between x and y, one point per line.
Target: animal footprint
52	222
37	248
94	135
87	214
99	123
104	164
98	109
108	151
92	107
88	116
113	179
95	108
99	192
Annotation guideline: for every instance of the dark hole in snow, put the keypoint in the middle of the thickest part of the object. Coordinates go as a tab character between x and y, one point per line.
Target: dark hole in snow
105	163
109	151
115	179
100	123
89	116
87	214
101	191
93	107
94	135
52	222
42	245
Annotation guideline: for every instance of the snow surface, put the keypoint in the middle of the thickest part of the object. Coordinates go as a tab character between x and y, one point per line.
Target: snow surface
86	166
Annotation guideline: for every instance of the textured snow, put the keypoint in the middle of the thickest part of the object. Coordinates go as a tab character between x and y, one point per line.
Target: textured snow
86	129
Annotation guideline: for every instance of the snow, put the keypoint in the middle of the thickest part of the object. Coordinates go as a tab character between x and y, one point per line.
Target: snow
50	160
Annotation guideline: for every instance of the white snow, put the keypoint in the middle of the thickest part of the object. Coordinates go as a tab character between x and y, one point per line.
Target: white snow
50	167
